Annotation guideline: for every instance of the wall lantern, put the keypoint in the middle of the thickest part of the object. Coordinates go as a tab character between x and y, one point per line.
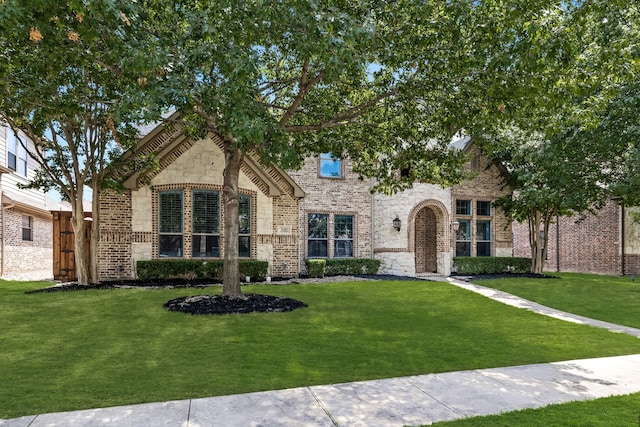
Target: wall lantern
455	225
397	223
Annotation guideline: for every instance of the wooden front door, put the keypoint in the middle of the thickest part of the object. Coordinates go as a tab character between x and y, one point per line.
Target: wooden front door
64	262
426	241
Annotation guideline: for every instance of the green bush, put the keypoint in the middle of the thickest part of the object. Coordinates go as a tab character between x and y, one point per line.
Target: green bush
257	270
339	266
315	267
192	269
491	265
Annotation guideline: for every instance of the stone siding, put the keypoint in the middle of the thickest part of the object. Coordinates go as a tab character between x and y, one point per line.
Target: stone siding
130	220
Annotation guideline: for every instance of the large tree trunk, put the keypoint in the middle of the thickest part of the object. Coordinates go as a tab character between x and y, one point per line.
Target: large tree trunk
80	249
535	241
95	236
231	279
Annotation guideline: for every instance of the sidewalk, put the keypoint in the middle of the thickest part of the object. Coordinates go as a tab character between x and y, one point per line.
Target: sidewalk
414	400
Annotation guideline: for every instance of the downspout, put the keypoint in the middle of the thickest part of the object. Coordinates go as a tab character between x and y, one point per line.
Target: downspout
557	244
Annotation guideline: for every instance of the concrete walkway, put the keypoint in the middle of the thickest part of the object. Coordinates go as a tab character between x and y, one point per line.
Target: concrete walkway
414	400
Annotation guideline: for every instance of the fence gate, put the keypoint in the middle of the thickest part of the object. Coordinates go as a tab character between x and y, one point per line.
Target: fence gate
64	262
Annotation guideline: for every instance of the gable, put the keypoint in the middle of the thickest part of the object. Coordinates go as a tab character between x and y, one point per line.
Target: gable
179	154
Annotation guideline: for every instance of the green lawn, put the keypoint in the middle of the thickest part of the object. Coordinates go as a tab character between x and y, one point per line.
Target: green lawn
608	298
618	411
97	348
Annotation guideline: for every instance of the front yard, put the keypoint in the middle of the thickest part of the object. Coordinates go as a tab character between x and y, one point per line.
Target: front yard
96	348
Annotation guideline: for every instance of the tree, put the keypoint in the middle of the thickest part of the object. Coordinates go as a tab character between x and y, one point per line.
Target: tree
385	83
576	146
62	84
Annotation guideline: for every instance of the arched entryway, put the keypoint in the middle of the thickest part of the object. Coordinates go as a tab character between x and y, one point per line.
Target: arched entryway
426	241
429	237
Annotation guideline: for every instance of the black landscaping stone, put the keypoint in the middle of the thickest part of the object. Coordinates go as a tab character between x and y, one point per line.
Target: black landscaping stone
218	304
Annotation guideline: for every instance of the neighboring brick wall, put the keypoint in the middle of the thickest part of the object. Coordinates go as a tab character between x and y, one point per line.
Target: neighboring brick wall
335	196
27	259
486	185
590	245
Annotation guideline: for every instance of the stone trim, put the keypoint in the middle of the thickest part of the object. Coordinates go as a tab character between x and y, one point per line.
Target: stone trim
443	222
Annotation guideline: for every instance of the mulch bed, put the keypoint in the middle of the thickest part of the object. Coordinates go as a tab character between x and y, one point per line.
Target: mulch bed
218	304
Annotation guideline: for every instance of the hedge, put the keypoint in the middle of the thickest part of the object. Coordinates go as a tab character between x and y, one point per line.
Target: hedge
197	269
316	267
491	265
348	266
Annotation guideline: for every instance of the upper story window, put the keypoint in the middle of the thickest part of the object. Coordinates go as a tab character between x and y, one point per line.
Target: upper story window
330	167
483	208
16	154
170	239
463	207
206	223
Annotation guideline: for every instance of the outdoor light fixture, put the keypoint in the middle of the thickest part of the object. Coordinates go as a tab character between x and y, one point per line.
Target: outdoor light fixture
397	223
455	225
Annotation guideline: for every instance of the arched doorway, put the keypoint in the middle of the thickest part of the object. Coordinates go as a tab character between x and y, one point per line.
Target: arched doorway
426	241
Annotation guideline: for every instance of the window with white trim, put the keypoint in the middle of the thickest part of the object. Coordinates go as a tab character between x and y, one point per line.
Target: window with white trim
170	226
16	154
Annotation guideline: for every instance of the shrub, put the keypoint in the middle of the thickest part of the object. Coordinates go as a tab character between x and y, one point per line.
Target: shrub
201	269
315	267
352	266
491	265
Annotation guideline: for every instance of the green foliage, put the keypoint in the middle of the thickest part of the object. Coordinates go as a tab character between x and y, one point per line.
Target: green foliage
191	269
315	267
491	265
337	266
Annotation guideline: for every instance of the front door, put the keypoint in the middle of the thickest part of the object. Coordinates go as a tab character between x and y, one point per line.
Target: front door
426	237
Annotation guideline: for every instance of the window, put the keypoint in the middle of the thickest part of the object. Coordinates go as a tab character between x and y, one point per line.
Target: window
463	207
16	154
206	224
27	227
483	208
244	226
317	236
343	236
483	238
463	238
170	239
330	167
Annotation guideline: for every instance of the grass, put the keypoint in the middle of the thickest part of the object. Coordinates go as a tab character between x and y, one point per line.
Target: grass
97	348
608	298
618	411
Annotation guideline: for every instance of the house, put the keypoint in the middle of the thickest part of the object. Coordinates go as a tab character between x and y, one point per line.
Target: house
25	215
607	242
322	210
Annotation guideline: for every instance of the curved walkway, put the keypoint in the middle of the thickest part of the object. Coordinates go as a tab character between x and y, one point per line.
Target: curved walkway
414	400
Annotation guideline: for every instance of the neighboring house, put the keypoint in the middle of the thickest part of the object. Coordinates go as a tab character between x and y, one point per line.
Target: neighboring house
25	217
605	243
323	210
